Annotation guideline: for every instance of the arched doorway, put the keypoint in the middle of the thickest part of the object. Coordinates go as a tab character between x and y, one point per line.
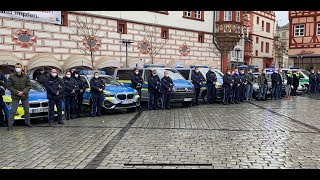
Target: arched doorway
107	64
44	62
77	62
7	62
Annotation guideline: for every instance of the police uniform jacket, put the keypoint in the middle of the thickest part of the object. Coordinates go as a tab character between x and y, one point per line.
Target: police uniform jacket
243	79
95	84
135	80
227	80
196	79
70	84
236	78
53	85
166	83
211	78
153	83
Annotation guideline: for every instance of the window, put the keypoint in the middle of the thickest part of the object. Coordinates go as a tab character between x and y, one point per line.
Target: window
195	15
262	25
147	74
228	15
268	27
284	35
261	46
125	74
257	39
258	19
217	15
187	13
232	53
184	73
238	16
165	33
256	52
122	27
299	30
267	47
201	37
318	29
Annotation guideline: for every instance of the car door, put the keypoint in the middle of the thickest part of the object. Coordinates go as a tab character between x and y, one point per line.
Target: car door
86	94
145	92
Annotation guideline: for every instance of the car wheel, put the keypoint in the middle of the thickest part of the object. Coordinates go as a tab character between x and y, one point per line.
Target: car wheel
132	109
204	96
159	101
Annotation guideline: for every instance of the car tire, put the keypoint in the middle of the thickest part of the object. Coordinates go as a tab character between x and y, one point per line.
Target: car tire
204	96
134	109
159	101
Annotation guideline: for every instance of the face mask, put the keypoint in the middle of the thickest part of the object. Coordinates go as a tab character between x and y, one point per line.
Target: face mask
136	73
76	75
166	75
250	72
96	76
18	70
264	72
68	76
54	74
197	71
154	73
228	73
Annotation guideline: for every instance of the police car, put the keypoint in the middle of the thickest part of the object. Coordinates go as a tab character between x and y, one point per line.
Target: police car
38	103
183	90
304	78
116	95
187	73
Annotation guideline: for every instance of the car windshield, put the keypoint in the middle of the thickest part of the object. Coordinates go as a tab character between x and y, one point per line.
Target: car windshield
218	73
108	81
36	86
173	74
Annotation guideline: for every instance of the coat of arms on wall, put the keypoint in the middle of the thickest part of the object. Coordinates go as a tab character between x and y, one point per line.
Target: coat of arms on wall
184	50
144	46
24	38
92	43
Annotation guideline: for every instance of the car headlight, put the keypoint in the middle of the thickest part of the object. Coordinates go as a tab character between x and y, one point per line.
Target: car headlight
136	92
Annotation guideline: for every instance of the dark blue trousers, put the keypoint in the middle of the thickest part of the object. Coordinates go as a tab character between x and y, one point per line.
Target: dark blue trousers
211	90
235	94
226	94
96	104
58	103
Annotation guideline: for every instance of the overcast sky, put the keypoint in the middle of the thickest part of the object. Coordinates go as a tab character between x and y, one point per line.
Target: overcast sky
282	17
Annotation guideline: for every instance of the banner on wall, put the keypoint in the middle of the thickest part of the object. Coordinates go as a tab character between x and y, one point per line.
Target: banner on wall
53	17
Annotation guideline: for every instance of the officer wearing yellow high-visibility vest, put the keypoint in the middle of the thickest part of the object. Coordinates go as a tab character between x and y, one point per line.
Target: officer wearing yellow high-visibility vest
295	82
289	84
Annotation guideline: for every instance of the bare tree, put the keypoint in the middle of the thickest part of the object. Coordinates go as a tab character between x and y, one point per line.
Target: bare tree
87	34
156	41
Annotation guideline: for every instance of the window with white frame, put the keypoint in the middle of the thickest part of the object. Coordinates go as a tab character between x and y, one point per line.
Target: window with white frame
197	14
232	53
238	16
299	30
227	15
318	29
187	13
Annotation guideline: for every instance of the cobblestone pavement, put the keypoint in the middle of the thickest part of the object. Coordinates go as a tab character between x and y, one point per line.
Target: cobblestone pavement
259	134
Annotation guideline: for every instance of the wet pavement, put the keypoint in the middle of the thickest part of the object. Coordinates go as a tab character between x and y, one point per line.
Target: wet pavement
258	134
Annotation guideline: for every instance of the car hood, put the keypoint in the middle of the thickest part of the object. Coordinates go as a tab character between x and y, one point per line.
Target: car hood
33	95
181	83
118	89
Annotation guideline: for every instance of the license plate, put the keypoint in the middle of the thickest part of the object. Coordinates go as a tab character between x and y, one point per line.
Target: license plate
39	110
126	102
187	99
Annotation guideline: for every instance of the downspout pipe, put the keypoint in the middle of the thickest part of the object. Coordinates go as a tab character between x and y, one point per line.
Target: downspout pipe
213	39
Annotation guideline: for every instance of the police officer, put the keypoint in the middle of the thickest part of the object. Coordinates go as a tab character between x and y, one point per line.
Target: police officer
236	87
244	81
41	78
55	90
312	81
3	86
318	81
275	82
211	85
137	81
196	79
249	86
80	92
227	85
295	82
69	93
279	86
167	90
153	88
97	87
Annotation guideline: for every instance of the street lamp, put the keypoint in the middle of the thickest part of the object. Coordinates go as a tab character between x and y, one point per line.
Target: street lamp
127	43
229	25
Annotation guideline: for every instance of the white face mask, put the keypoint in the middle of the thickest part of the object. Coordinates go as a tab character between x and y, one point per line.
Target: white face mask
212	70
197	71
18	70
166	75
54	74
96	76
76	75
68	76
264	72
136	73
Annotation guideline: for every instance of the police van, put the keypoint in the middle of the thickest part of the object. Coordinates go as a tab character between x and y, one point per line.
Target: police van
304	78
183	89
187	73
115	94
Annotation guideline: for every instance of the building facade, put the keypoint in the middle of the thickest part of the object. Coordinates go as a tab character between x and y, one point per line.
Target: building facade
185	37
260	49
304	44
281	47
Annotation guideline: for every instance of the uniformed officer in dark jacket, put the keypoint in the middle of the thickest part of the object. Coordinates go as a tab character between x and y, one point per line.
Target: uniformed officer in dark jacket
3	86
295	82
167	90
227	85
55	90
153	89
318	81
236	87
70	89
137	82
196	79
244	82
41	78
79	97
275	79
97	88
312	82
211	85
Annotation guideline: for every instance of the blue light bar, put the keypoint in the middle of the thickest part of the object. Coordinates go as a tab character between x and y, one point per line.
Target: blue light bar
201	66
155	65
91	72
